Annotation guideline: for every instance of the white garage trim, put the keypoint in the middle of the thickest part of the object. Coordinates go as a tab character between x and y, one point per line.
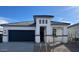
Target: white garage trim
6	29
19	28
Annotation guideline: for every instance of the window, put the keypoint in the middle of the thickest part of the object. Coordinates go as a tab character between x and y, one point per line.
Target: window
54	32
42	21
39	21
46	21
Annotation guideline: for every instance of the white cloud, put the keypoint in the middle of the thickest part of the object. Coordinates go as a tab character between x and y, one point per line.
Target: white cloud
4	20
60	19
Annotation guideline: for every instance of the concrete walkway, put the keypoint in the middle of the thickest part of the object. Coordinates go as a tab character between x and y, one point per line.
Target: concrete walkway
61	48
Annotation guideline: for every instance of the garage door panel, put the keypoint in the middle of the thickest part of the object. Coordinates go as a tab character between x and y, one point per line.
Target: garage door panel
0	37
21	35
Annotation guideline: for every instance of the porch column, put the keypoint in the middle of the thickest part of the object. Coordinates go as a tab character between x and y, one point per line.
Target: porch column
37	34
49	37
65	35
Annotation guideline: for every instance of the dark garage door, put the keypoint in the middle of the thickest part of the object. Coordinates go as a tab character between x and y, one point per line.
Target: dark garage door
0	37
21	35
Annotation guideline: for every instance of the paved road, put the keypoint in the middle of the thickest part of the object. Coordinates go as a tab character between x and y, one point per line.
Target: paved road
16	47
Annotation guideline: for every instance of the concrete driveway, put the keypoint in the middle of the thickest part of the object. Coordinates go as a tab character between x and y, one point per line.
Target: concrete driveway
17	47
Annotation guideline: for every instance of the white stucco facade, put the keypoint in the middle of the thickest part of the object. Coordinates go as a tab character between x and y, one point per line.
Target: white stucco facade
62	33
48	30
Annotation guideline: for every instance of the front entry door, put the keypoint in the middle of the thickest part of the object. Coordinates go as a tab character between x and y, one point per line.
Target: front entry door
42	34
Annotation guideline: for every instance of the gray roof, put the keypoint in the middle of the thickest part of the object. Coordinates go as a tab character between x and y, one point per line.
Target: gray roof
59	23
31	23
24	23
43	16
74	25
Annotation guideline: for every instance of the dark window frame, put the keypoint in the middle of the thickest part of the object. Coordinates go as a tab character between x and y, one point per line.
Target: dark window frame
54	32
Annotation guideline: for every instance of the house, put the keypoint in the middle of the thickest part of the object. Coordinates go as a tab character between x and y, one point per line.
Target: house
42	29
73	31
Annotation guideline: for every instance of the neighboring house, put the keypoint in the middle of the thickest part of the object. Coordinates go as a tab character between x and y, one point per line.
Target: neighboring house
74	31
42	29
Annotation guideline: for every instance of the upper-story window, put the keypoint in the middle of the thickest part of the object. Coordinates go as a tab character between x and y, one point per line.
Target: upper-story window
39	21
46	21
43	21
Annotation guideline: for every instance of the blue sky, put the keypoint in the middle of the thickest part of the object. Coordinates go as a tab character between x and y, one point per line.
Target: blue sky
25	13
